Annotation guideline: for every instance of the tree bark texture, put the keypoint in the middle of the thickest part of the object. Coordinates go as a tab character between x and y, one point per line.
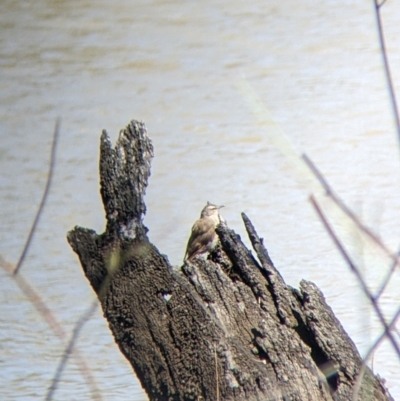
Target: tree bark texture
221	327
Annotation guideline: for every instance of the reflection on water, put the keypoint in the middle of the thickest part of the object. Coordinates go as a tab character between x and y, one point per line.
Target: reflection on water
317	69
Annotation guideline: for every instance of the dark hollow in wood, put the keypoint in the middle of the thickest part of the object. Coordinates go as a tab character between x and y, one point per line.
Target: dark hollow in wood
225	327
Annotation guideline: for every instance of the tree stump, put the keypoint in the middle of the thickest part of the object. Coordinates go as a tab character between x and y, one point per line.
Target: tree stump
224	327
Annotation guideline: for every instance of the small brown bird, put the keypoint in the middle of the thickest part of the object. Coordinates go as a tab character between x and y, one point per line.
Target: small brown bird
204	238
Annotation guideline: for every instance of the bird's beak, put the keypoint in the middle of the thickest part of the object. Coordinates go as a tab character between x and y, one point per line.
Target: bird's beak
219	207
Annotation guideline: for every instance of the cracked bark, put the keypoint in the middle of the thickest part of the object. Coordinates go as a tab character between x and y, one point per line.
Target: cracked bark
226	327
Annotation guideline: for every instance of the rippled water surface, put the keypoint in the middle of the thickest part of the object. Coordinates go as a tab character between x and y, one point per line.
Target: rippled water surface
181	67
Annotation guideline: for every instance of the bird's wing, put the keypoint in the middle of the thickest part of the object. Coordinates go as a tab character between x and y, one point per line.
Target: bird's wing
202	233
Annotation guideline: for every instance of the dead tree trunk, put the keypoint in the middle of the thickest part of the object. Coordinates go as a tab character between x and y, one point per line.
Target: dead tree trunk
224	328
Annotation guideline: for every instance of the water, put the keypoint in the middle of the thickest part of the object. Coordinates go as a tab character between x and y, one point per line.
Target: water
178	66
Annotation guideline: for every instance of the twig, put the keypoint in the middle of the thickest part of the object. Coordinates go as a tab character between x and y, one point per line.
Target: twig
357	384
381	4
33	295
329	191
386	66
387	278
48	315
44	197
355	270
67	352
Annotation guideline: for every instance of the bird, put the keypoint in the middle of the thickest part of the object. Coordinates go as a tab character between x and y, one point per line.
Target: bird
203	237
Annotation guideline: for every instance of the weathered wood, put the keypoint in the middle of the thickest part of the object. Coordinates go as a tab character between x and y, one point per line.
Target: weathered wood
226	327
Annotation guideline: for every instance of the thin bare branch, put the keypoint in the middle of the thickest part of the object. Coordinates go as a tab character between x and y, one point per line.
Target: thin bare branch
331	193
387	278
380	4
70	347
357	273
44	197
47	314
389	80
357	384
